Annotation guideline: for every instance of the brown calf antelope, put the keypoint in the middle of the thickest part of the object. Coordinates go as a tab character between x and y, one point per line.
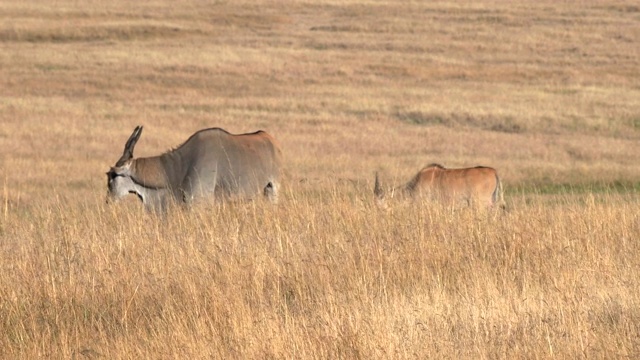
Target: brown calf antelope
477	185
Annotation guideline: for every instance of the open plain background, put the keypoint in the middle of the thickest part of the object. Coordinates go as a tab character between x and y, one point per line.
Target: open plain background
547	92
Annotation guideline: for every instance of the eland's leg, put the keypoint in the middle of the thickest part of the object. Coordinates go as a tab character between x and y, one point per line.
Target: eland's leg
271	192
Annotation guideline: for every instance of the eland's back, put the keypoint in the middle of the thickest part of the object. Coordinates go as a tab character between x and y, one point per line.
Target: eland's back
230	165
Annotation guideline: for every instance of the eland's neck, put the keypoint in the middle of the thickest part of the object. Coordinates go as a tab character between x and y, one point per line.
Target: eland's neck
150	172
152	199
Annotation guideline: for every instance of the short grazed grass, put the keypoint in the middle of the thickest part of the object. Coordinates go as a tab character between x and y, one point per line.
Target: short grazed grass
545	92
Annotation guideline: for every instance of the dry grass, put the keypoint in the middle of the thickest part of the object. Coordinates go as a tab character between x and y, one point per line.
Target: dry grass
545	92
314	278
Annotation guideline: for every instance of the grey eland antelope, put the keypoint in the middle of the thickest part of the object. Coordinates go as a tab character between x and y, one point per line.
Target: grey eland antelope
212	164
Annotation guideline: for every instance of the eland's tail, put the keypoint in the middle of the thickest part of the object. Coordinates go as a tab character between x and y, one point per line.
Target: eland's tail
498	195
377	190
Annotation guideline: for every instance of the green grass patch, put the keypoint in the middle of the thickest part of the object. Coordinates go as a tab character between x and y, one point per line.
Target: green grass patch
615	187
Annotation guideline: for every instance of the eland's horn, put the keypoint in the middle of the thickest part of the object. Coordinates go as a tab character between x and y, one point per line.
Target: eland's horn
130	145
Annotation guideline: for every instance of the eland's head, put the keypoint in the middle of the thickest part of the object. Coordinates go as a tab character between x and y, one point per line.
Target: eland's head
119	178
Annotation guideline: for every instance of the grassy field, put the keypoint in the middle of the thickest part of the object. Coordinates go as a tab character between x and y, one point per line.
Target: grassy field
546	92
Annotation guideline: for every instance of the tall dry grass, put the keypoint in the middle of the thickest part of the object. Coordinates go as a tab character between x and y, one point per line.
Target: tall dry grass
315	277
545	92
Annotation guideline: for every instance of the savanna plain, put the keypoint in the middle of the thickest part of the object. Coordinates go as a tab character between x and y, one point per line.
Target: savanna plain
546	92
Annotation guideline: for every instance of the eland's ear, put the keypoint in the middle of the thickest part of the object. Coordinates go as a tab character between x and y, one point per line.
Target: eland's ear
121	170
129	146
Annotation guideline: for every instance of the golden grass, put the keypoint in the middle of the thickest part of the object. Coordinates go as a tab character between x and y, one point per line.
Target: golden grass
545	92
322	278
